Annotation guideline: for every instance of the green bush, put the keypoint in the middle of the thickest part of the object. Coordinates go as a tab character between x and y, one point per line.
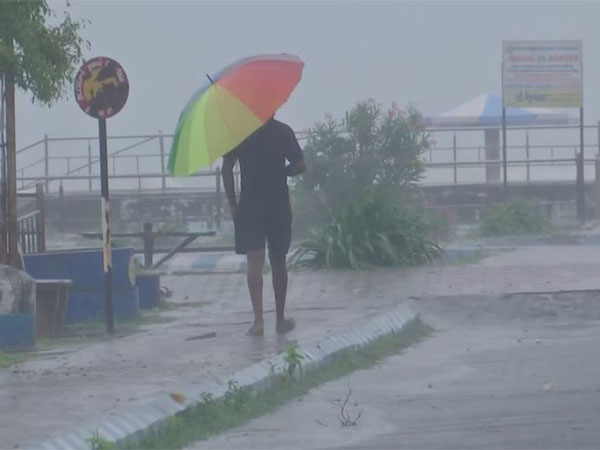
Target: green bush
372	231
370	149
514	217
351	206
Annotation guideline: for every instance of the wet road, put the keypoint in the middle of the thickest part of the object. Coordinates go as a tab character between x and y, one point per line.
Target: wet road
503	373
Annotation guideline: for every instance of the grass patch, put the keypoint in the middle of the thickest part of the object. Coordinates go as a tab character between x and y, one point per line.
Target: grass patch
8	359
515	217
212	416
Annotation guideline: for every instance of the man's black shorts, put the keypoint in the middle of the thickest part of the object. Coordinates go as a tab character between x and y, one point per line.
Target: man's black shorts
256	225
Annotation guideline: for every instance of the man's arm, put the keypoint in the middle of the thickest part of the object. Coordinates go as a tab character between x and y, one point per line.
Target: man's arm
229	183
293	154
295	168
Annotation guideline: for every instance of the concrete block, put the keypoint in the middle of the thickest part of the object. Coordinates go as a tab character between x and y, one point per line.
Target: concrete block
17	291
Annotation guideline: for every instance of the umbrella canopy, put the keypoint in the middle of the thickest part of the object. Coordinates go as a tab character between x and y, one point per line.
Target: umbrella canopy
486	111
230	107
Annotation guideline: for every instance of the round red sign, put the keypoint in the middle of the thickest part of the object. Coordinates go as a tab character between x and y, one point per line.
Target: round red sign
101	87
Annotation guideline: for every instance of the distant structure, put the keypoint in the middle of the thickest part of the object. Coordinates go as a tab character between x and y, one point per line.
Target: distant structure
485	111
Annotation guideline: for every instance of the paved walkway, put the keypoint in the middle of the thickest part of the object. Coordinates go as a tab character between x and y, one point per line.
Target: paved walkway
52	392
483	386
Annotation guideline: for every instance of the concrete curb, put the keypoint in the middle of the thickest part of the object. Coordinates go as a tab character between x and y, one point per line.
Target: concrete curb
259	377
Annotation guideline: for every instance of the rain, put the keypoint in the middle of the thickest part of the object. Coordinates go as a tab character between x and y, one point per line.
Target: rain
299	224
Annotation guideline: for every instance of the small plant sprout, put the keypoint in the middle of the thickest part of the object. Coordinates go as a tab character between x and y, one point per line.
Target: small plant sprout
346	418
98	442
272	367
293	358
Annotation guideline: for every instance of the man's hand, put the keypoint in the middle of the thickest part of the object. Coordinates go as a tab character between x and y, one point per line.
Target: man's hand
228	183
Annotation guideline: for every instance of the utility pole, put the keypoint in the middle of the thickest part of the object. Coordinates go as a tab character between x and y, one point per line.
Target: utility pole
3	209
11	174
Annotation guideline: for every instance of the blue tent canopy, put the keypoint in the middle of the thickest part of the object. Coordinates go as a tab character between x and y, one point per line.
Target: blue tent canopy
486	111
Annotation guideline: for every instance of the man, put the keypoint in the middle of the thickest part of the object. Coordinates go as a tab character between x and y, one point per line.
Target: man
264	212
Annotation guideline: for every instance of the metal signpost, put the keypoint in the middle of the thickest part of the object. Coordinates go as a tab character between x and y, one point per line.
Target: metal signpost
544	74
101	90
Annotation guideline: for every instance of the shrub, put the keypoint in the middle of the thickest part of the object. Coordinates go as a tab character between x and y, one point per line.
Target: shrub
371	231
370	149
514	217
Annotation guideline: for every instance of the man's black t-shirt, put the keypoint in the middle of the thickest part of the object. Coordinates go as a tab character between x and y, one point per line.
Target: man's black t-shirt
262	158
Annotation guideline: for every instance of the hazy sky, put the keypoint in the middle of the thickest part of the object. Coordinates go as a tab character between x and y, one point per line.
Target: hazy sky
432	54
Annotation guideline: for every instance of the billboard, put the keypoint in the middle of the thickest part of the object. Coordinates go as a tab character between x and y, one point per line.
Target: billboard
542	74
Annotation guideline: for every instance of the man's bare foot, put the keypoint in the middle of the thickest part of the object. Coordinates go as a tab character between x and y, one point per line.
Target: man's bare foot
285	325
257	329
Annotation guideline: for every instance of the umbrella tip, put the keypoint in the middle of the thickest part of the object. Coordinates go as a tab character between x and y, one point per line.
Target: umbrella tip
210	79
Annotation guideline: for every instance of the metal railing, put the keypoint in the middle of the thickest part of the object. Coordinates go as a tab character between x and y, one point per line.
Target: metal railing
135	159
527	164
45	168
212	182
138	162
32	224
148	235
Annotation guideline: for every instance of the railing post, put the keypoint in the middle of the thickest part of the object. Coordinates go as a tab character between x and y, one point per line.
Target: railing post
580	187
454	158
22	235
161	145
527	153
598	138
46	163
596	186
90	166
208	210
40	218
137	165
61	207
148	245
218	198
29	225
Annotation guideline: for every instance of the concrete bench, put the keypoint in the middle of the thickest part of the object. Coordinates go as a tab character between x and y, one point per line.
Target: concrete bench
52	299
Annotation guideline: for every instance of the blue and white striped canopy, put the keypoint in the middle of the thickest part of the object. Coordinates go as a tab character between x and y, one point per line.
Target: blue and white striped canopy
486	111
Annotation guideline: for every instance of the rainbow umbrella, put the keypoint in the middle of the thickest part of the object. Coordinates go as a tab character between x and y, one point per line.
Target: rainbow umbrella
232	106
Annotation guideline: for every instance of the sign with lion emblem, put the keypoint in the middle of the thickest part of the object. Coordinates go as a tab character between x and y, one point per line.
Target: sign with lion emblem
101	87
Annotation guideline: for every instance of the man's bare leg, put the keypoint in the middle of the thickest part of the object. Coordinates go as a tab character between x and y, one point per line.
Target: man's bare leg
280	282
256	260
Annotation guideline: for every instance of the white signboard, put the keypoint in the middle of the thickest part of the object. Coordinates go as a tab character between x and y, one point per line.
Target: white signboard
542	74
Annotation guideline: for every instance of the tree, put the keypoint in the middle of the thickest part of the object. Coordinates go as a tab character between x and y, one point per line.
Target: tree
371	149
39	54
